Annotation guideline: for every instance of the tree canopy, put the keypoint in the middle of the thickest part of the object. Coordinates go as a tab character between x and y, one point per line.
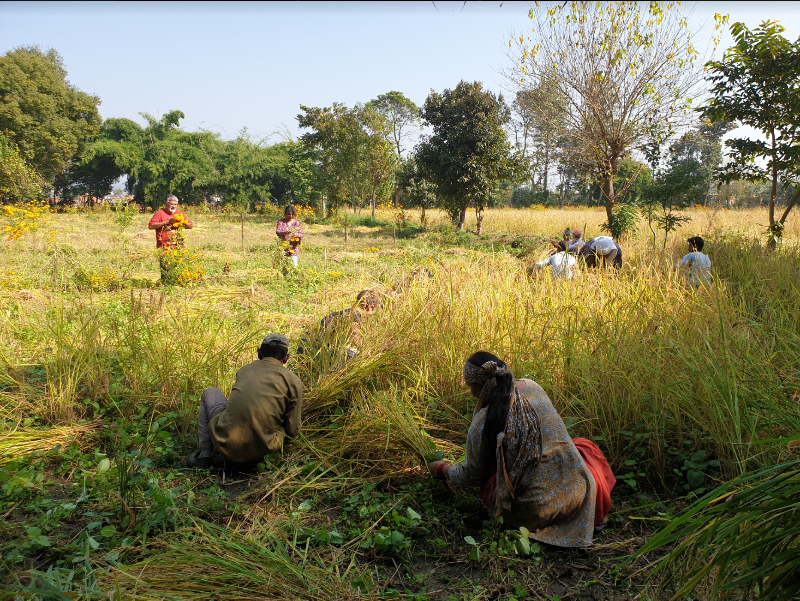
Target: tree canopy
48	119
621	72
468	153
757	83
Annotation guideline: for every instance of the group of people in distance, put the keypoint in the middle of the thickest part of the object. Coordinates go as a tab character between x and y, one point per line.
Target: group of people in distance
519	453
168	219
603	251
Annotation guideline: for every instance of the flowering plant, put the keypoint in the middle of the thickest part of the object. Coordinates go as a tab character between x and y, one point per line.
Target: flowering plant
182	267
24	217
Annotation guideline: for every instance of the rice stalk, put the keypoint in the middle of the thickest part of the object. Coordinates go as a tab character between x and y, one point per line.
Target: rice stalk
24	441
741	539
212	562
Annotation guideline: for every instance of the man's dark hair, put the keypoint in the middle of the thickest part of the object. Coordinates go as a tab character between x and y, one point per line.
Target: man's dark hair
562	246
697	243
272	350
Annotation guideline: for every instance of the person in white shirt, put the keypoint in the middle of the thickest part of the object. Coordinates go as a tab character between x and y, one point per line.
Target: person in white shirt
562	264
601	252
576	243
696	265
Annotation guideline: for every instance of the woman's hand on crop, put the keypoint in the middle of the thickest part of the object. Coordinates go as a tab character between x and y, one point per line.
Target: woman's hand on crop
438	470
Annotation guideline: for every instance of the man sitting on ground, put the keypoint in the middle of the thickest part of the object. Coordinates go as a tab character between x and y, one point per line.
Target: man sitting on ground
265	405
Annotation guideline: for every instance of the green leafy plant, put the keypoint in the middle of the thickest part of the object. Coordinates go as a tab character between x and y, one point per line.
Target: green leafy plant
740	539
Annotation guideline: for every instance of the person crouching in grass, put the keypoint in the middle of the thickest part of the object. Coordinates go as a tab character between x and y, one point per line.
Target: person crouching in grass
344	327
561	263
696	264
528	468
265	406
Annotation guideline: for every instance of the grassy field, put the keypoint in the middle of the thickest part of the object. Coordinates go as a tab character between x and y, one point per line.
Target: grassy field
103	367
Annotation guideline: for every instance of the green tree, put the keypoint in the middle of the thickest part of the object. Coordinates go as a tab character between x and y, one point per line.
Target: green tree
48	119
335	143
468	153
537	130
17	180
416	190
117	150
240	174
380	160
175	161
159	159
620	69
404	117
757	83
701	150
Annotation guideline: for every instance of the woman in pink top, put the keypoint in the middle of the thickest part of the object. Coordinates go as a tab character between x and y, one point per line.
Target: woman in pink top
290	230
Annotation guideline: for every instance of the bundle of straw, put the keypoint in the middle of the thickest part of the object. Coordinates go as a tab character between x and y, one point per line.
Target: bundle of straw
333	387
23	441
384	427
211	562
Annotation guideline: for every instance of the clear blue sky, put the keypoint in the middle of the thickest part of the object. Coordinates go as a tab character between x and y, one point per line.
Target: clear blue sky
231	65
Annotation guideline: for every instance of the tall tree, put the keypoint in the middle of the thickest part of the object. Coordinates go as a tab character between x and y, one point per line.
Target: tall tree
757	83
336	142
47	118
468	153
700	149
403	116
417	191
538	130
380	160
623	69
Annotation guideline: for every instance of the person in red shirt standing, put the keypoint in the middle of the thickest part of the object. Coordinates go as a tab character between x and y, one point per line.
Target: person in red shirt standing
164	223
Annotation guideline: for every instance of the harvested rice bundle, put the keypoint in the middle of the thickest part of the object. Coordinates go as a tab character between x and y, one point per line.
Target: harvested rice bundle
383	428
23	441
211	562
331	388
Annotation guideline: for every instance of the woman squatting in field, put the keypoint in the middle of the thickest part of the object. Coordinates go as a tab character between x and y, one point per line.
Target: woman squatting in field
528	468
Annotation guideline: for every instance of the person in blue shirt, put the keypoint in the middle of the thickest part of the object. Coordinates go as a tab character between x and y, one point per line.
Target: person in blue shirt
696	265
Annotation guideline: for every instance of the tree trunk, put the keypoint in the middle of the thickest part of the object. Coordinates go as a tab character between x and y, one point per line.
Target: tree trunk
462	217
478	220
608	193
546	170
422	217
776	230
324	212
354	199
242	215
396	195
374	189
